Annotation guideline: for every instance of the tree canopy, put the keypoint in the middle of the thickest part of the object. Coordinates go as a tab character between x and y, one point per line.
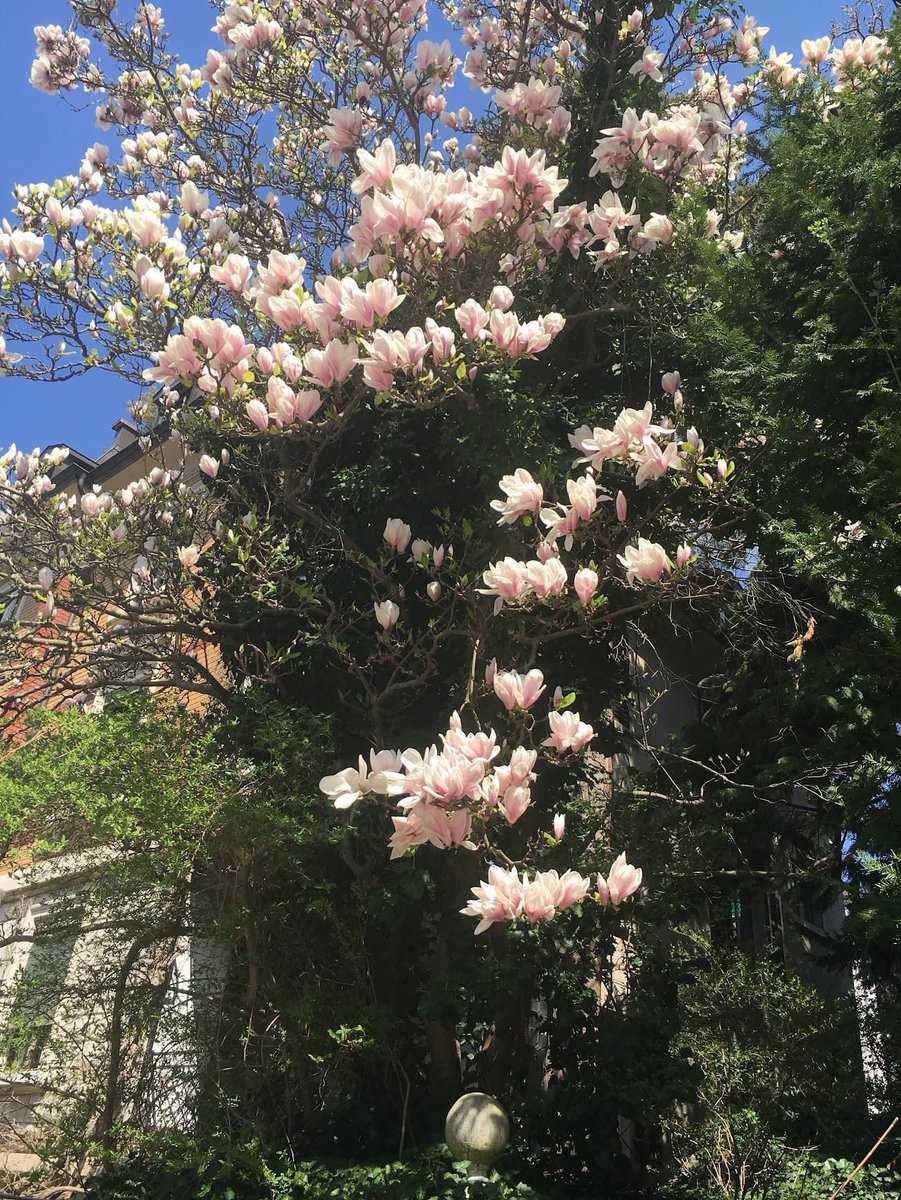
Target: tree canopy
516	488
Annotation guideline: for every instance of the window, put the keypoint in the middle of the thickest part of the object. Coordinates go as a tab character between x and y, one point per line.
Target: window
37	990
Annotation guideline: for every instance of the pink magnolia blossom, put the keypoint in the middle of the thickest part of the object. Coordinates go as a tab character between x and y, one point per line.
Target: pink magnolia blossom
383	766
386	613
657	230
425	823
549	893
331	365
597	445
342	133
514	802
280	271
520	770
258	413
622	881
559	825
209	352
609	216
442	340
153	284
234	273
501	898
645	563
383	296
391	351
569	888
778	67
505	329
649	64
684	555
307	403
546	578
518	691
568	732
209	465
654	462
636	424
188	555
472	319
583	496
375	169
145	226
397	534
24	245
501	297
193	200
585	584
524	495
345	788
622	507
505	897
506	579
538	898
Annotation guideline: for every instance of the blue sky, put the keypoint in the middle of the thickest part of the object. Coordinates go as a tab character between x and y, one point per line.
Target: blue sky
43	138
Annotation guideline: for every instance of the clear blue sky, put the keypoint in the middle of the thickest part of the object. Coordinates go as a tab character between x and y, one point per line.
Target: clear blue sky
43	138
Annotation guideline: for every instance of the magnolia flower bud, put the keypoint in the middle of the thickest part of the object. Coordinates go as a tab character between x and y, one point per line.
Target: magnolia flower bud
622	506
434	590
208	465
45	578
559	825
188	555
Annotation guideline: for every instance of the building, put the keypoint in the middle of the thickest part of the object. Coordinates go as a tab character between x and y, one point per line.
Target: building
71	979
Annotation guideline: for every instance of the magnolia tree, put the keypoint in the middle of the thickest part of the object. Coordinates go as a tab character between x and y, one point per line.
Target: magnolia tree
323	254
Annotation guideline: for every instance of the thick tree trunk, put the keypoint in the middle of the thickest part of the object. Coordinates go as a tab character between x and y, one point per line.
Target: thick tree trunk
445	1075
504	1060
